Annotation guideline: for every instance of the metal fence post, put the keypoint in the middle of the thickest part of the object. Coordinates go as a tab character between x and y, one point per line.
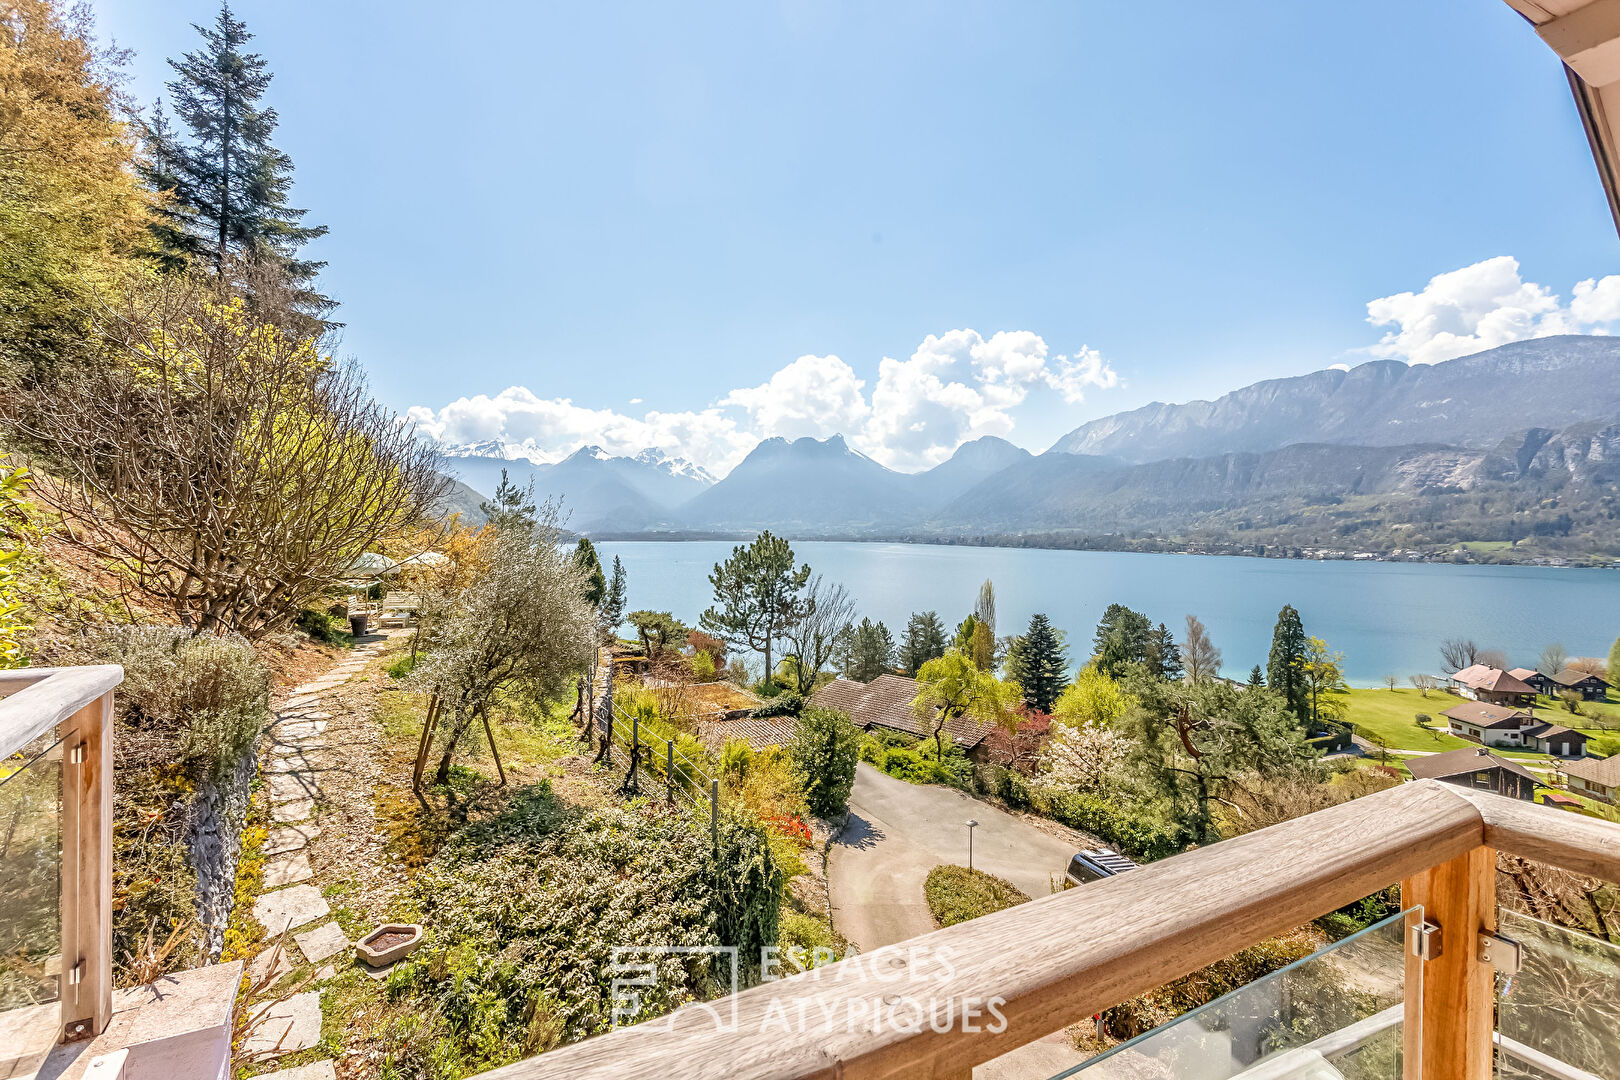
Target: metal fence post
669	768
714	813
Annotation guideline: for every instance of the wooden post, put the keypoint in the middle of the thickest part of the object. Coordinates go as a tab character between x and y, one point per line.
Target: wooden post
714	813
87	760
1448	1028
669	768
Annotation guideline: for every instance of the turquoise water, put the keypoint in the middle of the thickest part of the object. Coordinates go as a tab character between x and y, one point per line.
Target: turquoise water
1385	617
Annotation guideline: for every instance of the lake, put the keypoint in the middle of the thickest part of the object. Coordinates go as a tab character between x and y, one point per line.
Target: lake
1385	617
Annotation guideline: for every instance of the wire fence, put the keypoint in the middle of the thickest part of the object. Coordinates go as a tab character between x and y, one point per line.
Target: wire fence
655	766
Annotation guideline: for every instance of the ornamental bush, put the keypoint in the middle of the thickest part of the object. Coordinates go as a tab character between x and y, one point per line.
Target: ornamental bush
1130	831
825	749
524	911
956	894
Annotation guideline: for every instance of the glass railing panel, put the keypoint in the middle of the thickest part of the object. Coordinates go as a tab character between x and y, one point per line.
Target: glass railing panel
31	876
1558	1017
1338	1014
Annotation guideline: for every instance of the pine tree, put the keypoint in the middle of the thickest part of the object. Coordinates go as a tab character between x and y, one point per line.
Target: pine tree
1285	668
1123	637
867	652
589	565
1163	654
924	640
758	595
1039	663
611	612
512	505
1257	678
228	183
160	168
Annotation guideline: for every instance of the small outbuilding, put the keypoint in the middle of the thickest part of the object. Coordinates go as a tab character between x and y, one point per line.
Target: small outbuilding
1477	768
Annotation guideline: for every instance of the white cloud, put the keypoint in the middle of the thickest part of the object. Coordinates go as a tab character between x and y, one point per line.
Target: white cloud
1482	306
814	395
1087	368
1596	302
955	387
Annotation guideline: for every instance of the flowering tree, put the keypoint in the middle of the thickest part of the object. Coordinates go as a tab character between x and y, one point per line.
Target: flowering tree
953	687
1084	758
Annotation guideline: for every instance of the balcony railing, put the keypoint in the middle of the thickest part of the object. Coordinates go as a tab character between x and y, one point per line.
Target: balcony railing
55	857
1067	957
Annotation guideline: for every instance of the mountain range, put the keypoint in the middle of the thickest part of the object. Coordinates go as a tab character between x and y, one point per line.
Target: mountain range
1521	440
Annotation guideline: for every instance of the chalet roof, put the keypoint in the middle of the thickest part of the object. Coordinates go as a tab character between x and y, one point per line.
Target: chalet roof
886	702
1485	715
1467	760
1605	771
761	733
1523	674
1571	677
1481	677
1545	730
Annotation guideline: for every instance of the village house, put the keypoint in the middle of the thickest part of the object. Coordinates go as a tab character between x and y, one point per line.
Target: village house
1583	683
1499	725
885	702
1493	685
1477	768
1596	778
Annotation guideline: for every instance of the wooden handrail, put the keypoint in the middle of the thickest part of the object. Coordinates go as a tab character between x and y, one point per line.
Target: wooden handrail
34	700
1068	956
78	703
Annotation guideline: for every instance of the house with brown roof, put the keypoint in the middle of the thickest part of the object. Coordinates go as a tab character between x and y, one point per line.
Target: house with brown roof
1493	685
885	702
1518	729
1583	683
1477	768
1596	778
1535	680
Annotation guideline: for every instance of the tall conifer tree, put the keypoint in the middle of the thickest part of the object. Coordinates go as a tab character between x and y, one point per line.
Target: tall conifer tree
924	640
1039	664
228	183
1285	668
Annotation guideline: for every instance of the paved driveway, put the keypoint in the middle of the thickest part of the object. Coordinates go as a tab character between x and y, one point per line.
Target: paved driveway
897	832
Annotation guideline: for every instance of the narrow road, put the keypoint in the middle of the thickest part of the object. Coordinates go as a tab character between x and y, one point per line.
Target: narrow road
897	832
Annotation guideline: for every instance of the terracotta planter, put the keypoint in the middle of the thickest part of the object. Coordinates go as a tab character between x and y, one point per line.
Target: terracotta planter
357	624
384	945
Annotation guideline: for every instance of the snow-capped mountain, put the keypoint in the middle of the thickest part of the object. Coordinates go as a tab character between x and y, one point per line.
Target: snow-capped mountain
594	486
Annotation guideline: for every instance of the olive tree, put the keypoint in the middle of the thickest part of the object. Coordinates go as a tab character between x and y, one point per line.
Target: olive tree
521	623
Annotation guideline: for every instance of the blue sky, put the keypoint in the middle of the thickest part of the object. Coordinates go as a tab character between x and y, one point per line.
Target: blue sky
642	215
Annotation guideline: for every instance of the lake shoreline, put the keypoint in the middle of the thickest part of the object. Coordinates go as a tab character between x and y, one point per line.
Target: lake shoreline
1102	544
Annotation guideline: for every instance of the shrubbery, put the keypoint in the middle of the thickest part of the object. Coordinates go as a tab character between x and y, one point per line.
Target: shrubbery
324	627
825	750
916	763
196	700
956	894
1130	831
524	911
785	703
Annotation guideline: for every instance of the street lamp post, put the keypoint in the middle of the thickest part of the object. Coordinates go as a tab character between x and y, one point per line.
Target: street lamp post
971	825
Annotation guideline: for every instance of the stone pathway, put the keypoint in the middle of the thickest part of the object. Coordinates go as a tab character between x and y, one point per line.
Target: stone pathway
291	905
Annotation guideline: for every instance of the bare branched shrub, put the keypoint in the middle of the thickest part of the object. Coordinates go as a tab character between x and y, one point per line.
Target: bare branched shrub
230	469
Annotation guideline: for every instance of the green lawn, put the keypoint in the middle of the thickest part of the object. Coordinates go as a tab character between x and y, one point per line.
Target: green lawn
1387	714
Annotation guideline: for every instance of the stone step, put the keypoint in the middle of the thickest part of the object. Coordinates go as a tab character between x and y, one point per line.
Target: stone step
283	1027
287	869
325	941
287	838
288	813
292	907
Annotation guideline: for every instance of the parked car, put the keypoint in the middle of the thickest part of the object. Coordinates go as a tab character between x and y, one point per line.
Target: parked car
1088	866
